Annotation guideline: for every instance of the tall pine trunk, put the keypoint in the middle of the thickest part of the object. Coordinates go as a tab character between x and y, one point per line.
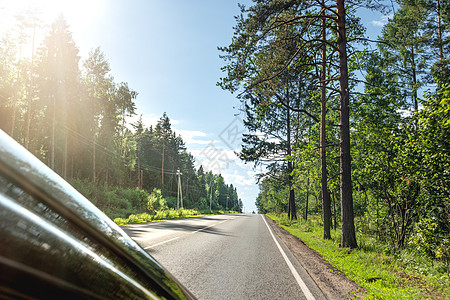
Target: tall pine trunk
52	156
414	79
162	165
93	159
93	140
326	203
292	210
30	97
348	237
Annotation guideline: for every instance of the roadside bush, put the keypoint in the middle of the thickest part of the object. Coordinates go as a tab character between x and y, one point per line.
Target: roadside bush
159	215
85	188
203	204
113	201
156	202
138	198
171	202
427	239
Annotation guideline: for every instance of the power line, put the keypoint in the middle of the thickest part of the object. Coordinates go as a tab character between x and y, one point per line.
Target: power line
110	153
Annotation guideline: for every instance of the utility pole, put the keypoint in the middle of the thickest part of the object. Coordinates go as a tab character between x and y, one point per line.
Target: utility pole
180	191
210	194
162	165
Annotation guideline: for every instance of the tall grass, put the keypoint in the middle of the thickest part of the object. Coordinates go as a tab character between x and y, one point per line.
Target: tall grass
384	275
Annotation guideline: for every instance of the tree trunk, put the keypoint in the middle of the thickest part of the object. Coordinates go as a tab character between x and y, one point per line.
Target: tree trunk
52	156
66	142
13	119
292	211
123	130
107	175
162	166
307	198
334	212
93	157
28	121
414	74
326	203
16	99
348	238
30	97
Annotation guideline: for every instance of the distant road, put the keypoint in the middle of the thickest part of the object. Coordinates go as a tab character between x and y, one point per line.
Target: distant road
226	257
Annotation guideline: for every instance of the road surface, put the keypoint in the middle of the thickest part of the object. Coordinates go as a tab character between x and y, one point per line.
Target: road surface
232	256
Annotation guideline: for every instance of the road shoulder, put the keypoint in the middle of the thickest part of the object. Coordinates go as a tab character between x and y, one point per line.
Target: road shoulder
331	281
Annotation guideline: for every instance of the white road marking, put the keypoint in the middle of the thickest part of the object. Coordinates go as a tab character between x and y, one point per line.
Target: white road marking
209	226
178	236
297	277
162	243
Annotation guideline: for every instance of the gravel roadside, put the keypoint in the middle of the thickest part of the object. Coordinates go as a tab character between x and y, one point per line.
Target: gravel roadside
333	283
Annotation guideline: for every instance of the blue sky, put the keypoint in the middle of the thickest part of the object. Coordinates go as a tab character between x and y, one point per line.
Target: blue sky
167	51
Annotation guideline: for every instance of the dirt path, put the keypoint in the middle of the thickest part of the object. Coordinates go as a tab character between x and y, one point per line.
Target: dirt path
333	284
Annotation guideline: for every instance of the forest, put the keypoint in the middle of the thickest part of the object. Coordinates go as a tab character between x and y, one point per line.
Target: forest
71	114
350	129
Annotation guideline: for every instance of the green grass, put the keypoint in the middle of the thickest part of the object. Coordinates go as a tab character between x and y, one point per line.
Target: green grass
405	275
168	214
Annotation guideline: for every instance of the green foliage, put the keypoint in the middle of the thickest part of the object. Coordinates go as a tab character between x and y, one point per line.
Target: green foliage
407	275
114	201
168	214
71	114
171	202
156	201
400	151
426	237
429	239
137	198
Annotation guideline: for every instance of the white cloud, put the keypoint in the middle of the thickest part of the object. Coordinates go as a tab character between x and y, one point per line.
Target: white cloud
148	120
214	159
238	179
190	136
384	20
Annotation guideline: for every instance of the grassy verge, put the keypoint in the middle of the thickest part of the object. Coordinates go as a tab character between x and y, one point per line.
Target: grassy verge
168	214
405	275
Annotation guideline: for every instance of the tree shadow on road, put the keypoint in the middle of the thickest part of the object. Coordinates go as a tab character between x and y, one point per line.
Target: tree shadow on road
139	231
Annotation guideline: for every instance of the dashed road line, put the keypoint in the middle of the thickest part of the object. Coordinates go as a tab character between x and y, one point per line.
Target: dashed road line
161	243
158	244
209	226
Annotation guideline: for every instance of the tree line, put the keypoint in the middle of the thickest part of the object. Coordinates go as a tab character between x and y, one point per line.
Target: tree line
71	114
347	127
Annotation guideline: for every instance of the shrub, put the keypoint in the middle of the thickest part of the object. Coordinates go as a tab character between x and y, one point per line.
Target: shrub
138	198
156	201
203	204
171	202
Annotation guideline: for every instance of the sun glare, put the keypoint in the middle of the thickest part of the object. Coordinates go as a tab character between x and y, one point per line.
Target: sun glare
48	8
81	15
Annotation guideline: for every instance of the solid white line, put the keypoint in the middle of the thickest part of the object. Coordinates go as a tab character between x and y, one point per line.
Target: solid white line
297	277
162	243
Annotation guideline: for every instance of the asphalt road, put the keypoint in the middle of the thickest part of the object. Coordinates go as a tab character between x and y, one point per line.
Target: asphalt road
226	257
